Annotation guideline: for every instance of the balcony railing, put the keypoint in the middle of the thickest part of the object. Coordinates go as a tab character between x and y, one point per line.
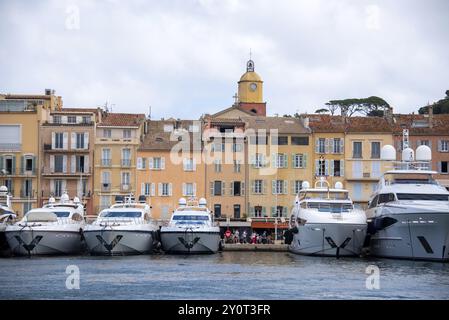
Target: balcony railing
125	187
126	162
10	147
106	162
27	193
106	187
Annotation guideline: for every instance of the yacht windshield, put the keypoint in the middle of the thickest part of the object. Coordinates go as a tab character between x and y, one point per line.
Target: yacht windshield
410	178
190	219
340	195
423	196
61	214
330	207
121	214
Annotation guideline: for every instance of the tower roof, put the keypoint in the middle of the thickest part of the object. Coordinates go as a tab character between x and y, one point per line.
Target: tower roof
250	74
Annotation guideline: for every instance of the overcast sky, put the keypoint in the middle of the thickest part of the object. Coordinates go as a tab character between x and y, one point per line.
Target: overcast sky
184	57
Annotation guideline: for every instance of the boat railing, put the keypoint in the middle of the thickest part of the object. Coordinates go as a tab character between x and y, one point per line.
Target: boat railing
111	221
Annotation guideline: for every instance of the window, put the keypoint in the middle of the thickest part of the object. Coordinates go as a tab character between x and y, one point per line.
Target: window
217	188
157	163
126	157
105	181
423	143
9	164
80	141
80	164
126	179
258	140
107	133
106	157
71	119
188	189
337	145
59	140
423	197
443	146
279	187
321	145
299	160
86	119
279	140
237	165
27	206
357	149
386	197
321	169
127	134
258	186
105	201
297	186
8	184
189	165
443	167
281	160
165	189
29	164
258	211
58	188
375	150
337	172
147	189
237	147
357	191
218	147
357	169
375	169
373	202
259	160
10	137
83	187
27	188
236	188
59	163
57	119
300	141
217	165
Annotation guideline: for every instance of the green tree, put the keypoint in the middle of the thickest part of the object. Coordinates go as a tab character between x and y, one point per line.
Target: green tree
439	107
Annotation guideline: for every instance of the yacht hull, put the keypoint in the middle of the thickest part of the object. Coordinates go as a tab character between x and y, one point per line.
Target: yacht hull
418	236
4	246
329	239
190	242
27	242
119	242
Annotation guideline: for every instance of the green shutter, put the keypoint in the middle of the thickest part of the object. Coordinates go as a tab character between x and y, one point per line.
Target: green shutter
13	164
22	165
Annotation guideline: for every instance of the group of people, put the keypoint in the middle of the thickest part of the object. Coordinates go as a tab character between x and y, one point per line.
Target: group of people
255	238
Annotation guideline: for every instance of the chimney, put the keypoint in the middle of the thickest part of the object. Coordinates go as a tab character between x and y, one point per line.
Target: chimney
388	114
305	122
430	110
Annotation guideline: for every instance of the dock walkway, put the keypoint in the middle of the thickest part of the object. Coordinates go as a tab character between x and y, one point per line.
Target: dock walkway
255	247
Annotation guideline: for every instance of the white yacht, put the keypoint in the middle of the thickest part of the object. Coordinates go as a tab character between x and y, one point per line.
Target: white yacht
191	229
54	229
408	214
123	229
324	222
7	217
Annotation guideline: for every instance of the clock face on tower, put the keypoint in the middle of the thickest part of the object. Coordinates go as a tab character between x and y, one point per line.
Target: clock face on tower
253	86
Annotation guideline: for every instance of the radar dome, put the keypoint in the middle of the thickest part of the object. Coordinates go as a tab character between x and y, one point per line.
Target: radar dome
388	153
423	153
305	185
76	200
338	185
202	202
65	197
51	200
408	154
182	202
3	189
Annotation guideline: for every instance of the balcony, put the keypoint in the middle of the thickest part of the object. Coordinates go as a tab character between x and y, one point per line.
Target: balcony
60	172
105	187
125	187
106	162
49	148
27	193
126	162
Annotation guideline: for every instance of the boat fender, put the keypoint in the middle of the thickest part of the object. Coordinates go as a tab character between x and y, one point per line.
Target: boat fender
288	235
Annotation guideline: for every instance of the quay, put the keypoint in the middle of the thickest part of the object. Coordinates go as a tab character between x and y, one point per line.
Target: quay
255	247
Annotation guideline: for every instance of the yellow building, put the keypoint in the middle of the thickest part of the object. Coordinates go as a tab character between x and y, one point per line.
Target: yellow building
169	165
117	139
279	152
328	145
364	139
20	119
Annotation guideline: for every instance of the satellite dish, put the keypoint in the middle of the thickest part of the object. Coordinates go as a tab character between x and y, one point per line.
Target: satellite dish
306	185
388	153
423	153
182	202
408	154
202	202
338	185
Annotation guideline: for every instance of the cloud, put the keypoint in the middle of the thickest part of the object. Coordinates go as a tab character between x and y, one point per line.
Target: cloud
184	58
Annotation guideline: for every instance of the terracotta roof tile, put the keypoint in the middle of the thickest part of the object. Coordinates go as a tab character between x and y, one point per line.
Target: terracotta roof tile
122	120
283	124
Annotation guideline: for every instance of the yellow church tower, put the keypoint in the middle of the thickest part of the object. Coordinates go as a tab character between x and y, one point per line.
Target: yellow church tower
250	85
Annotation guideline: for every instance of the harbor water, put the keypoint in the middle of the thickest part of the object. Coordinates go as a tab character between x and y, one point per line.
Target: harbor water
226	275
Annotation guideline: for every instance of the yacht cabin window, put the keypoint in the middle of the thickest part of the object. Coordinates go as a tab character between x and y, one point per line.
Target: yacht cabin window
121	214
386	197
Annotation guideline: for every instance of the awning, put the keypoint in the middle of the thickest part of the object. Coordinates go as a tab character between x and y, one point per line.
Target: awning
268	225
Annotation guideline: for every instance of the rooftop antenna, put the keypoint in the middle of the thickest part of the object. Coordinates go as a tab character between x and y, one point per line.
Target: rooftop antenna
149	112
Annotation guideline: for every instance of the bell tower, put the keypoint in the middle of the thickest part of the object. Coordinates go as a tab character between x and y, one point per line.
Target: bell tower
250	91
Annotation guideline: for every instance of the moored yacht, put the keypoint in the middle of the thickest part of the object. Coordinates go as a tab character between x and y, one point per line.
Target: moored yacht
191	229
125	228
408	214
7	217
54	229
324	222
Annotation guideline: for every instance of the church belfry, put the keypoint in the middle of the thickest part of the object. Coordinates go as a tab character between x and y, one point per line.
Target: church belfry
250	85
